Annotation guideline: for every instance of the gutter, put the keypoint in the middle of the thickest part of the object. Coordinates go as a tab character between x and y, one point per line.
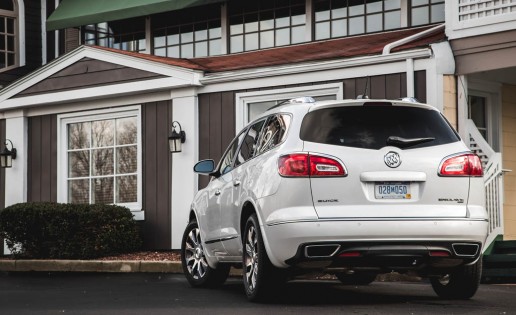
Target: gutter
387	48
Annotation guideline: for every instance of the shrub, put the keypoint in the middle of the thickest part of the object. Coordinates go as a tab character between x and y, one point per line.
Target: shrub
70	231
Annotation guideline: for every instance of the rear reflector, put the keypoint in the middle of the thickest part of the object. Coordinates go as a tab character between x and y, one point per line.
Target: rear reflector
350	254
304	165
462	165
439	253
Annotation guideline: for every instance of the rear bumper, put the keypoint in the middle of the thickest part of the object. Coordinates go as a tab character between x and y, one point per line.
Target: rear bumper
376	244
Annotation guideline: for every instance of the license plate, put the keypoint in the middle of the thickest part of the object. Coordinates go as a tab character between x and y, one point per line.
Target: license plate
392	190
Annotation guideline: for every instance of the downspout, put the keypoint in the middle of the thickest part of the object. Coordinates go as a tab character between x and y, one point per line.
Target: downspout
410	62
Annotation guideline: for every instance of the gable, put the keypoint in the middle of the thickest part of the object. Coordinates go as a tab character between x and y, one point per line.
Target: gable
85	73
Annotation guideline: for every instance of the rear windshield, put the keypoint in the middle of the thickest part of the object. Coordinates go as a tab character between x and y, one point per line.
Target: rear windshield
369	127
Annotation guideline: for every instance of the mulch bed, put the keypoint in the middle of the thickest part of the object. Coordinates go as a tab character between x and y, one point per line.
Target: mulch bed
143	255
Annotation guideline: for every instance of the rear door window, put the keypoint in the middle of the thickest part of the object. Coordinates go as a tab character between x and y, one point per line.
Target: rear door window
369	127
273	133
250	143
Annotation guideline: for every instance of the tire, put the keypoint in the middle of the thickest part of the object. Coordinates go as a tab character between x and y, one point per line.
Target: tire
461	284
262	280
358	278
195	266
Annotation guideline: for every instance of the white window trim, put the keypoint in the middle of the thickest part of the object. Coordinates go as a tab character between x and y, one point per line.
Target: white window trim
19	33
242	100
64	119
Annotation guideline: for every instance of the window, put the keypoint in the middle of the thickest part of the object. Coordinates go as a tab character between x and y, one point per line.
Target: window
265	24
339	18
102	158
188	33
426	12
227	160
8	38
477	111
369	127
274	132
250	143
125	35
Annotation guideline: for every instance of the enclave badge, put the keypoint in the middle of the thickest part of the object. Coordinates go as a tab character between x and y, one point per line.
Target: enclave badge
392	159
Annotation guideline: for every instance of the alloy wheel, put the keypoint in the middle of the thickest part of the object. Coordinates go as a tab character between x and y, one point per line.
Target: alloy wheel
251	257
194	255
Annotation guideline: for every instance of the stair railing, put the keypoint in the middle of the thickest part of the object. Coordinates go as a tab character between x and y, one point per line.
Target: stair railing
493	180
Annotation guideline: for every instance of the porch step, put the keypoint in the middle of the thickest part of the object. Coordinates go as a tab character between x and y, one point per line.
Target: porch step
505	247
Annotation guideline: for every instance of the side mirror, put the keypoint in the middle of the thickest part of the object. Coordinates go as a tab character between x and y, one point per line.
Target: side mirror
204	167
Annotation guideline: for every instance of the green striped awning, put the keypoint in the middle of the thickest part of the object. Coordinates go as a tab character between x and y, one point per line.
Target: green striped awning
72	13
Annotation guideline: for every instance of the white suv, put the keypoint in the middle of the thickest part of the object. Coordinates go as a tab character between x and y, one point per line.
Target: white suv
352	188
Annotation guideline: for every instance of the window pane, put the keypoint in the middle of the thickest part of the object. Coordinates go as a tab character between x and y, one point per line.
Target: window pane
282	18
251	41
187	51
186	35
2	24
215	46
102	162
126	130
267	39
251	23
322	10
173	52
282	37
420	16
79	164
298	19
249	144
201	34
322	15
10	59
159	40
79	191
374	23
173	39
392	4
201	49
162	52
273	133
215	32
339	13
374	6
127	189
102	190
266	20
356	25
356	7
102	133
237	44
339	28
127	160
438	13
7	5
10	26
298	34
392	20
419	2
322	30
255	109
237	26
79	135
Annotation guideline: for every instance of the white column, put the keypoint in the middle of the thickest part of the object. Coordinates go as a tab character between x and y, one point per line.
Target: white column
184	181
16	176
462	107
410	77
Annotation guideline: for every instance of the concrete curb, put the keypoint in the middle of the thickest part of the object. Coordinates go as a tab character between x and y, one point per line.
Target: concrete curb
90	266
115	266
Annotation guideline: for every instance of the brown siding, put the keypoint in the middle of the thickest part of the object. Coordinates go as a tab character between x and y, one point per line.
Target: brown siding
88	73
42	160
157	169
216	126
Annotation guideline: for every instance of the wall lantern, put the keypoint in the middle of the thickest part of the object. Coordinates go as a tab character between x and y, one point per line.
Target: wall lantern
7	156
176	138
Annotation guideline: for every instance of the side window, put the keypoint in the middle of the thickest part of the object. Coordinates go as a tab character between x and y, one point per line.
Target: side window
273	133
248	147
226	163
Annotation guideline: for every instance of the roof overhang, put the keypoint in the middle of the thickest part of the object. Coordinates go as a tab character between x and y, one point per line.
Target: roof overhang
170	77
72	13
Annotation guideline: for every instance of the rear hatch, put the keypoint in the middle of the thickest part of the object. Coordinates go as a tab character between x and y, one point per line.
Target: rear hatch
392	156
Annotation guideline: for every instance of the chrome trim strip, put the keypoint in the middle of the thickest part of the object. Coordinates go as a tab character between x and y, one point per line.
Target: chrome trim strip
375	219
220	239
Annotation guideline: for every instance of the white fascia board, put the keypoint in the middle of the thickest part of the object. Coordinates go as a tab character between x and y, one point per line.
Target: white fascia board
146	86
192	76
313	66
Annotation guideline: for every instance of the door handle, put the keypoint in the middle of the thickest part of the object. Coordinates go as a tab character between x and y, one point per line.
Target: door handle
217	192
236	183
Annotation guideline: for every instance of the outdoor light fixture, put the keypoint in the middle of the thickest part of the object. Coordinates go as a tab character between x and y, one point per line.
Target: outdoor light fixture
7	156
176	138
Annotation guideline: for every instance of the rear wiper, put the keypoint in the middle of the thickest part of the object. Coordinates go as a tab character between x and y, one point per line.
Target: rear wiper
405	143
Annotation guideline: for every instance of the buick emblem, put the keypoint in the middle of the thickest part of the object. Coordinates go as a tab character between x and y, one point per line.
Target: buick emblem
392	159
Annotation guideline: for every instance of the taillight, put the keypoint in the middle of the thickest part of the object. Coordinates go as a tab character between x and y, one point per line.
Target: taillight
304	165
462	165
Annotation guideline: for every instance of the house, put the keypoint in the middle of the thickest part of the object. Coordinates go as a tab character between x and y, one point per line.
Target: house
92	125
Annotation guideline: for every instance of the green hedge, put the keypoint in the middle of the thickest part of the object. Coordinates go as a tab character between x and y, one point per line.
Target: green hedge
68	231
